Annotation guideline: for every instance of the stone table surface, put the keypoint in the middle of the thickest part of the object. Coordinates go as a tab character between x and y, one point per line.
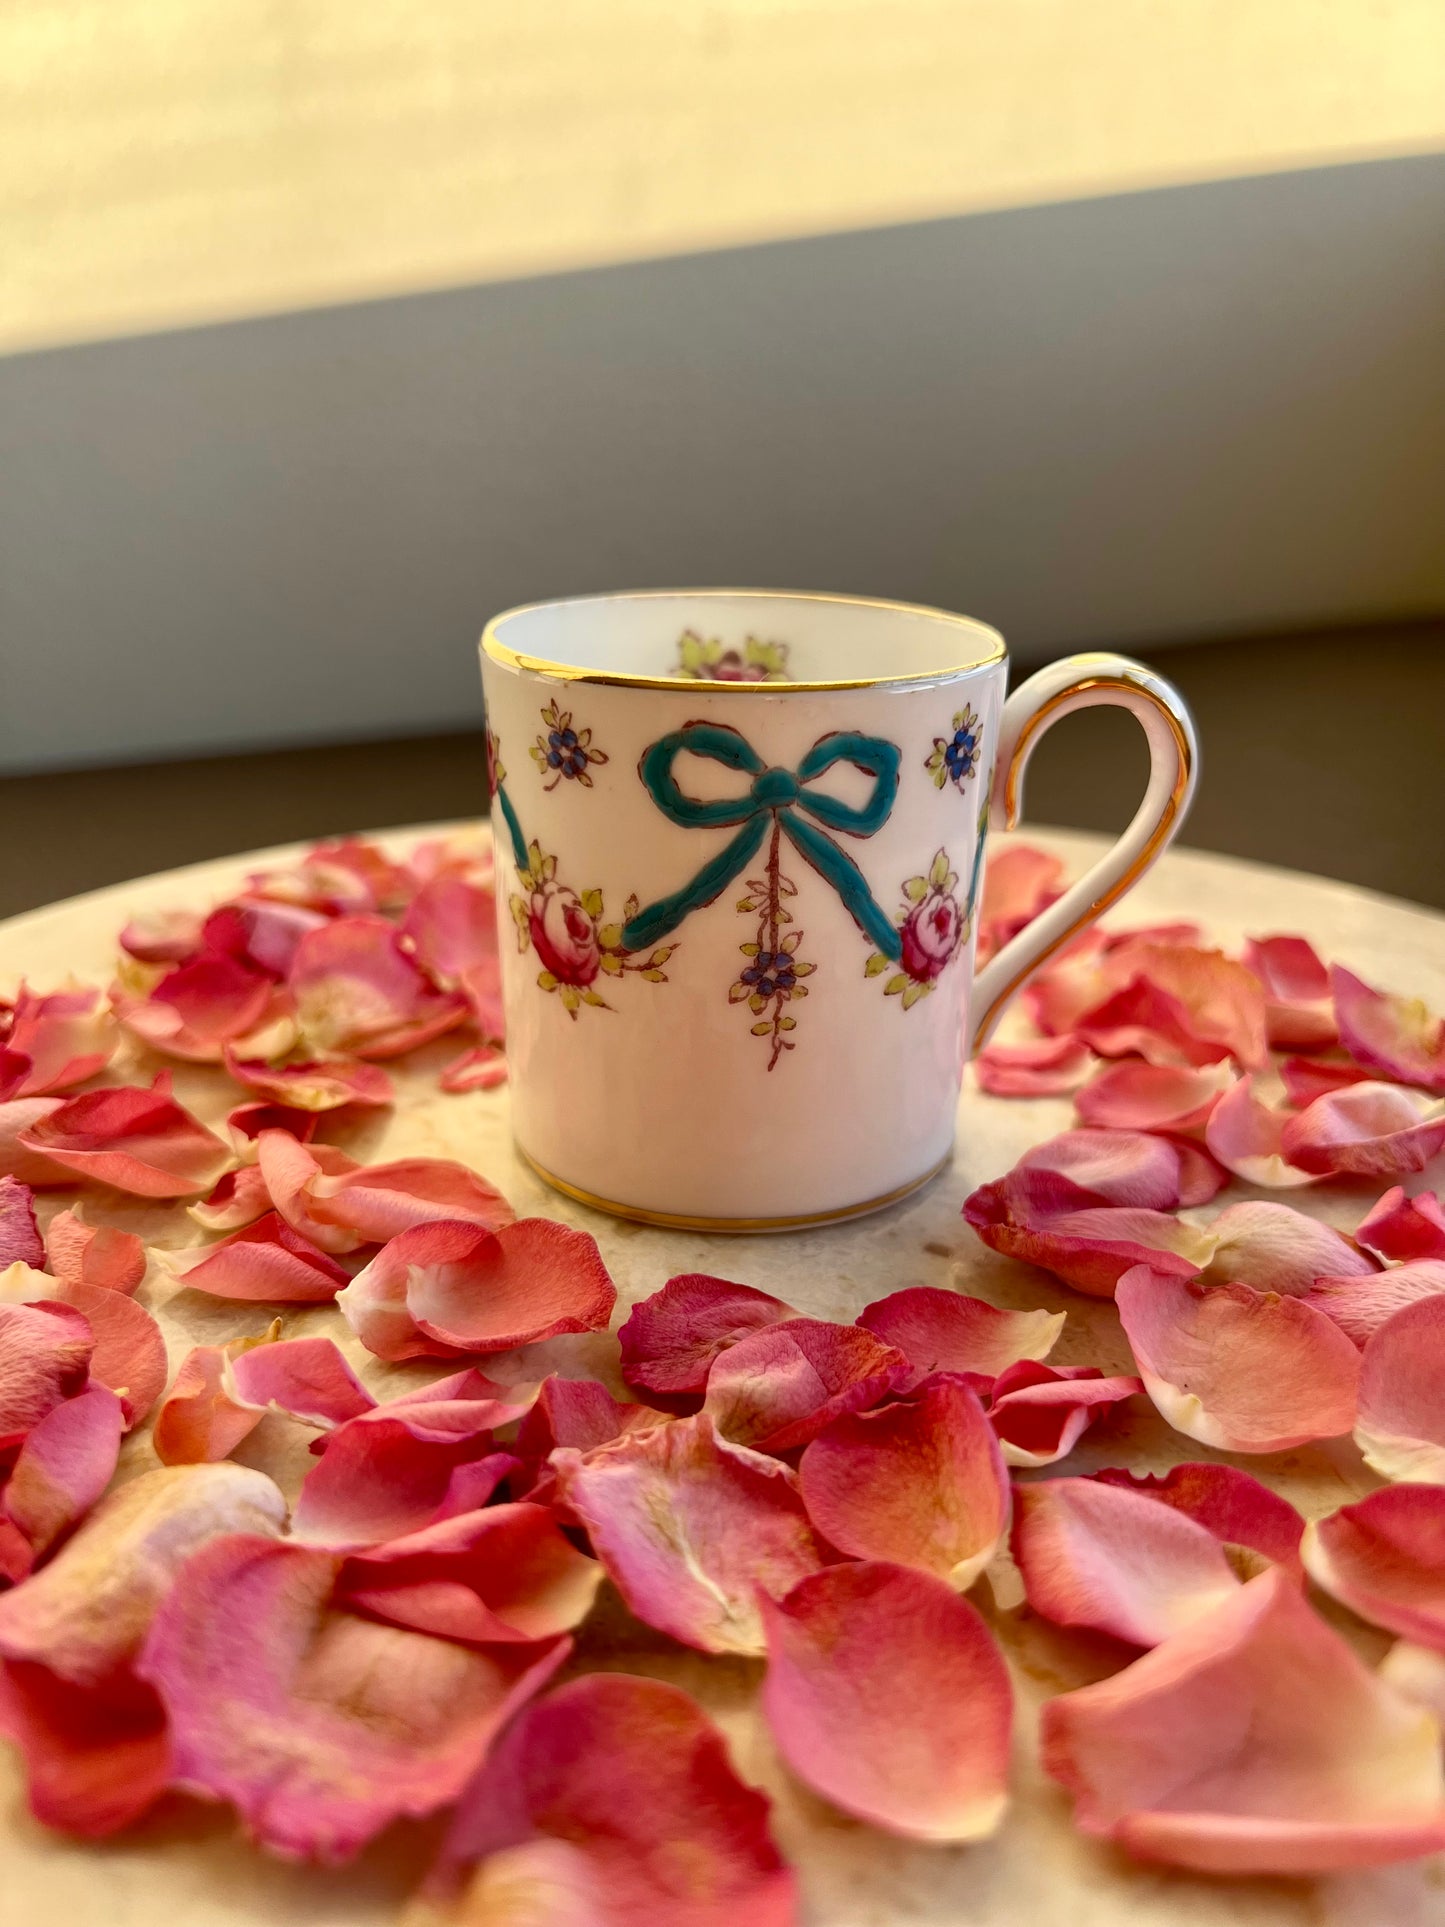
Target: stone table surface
187	1864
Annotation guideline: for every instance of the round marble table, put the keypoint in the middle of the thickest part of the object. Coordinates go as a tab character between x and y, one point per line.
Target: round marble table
187	1864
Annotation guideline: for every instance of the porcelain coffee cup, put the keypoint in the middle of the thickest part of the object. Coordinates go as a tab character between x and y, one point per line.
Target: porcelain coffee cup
739	841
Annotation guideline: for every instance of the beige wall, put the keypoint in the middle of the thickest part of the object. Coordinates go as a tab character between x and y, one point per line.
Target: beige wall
166	161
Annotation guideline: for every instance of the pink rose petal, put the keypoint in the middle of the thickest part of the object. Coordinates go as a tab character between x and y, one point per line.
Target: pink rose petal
610	1803
358	990
920	1483
1176	1004
95	1760
1252	1742
1242	1370
1019	882
129	1354
318	1726
239	1198
482	1068
313	1084
1384	1558
1041	1067
135	1139
56	1042
292	1173
1273	1247
1112	1167
1306	1078
1402	1228
379	1200
1416	1673
779	1387
162	936
1089	1248
62	1469
1299	1013
942	1331
45	1353
222	1392
1360	1306
265	1261
198	1007
1103	1556
458	1406
1401	1423
848	1648
246	1122
1136	1096
336	878
202	1418
450	927
259	932
691	1529
443	1287
86	1254
1245	1134
1040	1412
1234	1506
670	1340
378	1481
571	1411
1201	1177
20	1240
503	1575
18	1160
1369	1130
1397	1036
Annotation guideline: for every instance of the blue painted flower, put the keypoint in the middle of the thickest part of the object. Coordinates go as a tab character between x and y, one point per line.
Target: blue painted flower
770	972
565	751
954	758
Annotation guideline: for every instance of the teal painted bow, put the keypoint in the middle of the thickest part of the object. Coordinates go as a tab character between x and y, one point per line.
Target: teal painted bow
775	796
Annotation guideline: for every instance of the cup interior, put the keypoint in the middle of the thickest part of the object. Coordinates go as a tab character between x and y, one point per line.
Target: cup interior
748	637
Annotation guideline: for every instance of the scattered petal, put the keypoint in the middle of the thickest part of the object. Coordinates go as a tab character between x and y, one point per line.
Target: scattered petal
319	1726
691	1529
1306	1078
1178	1004
669	1341
94	1760
18	1160
135	1139
313	1084
246	1122
1245	1134
1299	1012
1112	1167
198	1007
1401	1424
1361	1305
1397	1036
1019	882
1273	1247
239	1198
851	1645
779	1387
62	1469
1233	1505
1040	1412
1417	1673
921	1483
292	1173
162	936
571	1411
610	1803
482	1068
1368	1130
1104	1556
1040	1067
942	1331
451	928
259	932
20	1240
130	1353
56	1042
378	1201
45	1352
1384	1558
1242	1370
1027	1215
222	1392
1254	1741
1137	1096
1403	1228
358	990
265	1261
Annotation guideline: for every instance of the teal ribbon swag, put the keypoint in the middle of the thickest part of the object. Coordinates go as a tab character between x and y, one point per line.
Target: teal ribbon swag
775	797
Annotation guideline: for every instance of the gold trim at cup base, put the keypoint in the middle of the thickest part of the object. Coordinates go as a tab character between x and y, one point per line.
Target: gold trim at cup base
734	1227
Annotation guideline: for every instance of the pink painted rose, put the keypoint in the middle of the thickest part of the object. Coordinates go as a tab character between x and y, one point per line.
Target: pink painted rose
930	936
563	935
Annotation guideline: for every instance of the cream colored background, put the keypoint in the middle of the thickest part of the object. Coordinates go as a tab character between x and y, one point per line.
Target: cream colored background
165	161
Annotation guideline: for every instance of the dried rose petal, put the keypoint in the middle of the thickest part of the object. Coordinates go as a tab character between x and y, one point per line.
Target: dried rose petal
1299	1013
222	1392
610	1803
848	1647
334	878
292	1173
1306	1078
78	1253
18	1160
45	1351
1368	1130
1403	1228
1019	882
1384	1558
441	1288
1242	1370
1174	1004
1136	1096
779	1387
1245	1135
1040	1412
571	1411
162	936
377	1201
1254	1741
239	1198
246	1122
358	990
451	928
1040	1067
378	1481
1360	1306
1416	1673
1233	1505
94	1760
198	1007
455	1407
1101	1555
320	1727
942	1331
482	1068
1397	1036
691	1529
506	1574
1401	1423
1112	1167
20	1240
130	1353
259	932
56	1041
1273	1247
1089	1248
265	1261
62	1469
920	1483
314	1084
669	1341
135	1139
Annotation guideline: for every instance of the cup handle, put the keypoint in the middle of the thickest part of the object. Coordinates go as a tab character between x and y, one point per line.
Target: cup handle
1086	682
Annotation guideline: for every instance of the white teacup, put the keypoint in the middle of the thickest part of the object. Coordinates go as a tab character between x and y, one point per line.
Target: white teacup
740	844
